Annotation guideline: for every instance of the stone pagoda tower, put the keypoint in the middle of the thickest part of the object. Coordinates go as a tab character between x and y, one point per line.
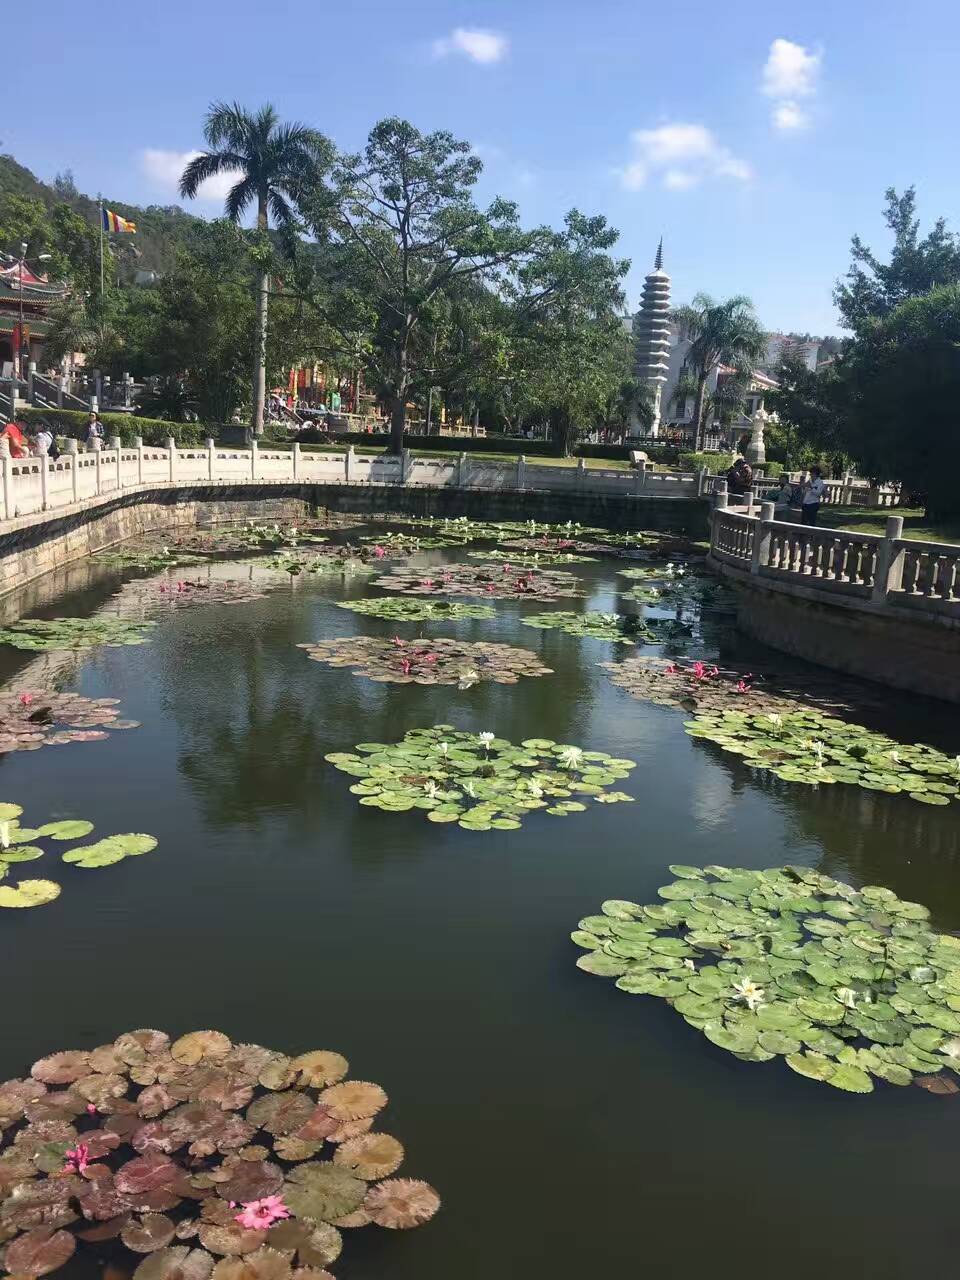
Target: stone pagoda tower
653	334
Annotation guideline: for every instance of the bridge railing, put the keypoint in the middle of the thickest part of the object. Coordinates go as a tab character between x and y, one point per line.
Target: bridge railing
36	484
886	569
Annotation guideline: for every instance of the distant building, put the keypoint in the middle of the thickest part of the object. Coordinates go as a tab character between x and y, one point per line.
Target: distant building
32	300
652	331
781	344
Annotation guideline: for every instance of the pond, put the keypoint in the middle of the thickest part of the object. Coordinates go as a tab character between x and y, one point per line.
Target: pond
570	1128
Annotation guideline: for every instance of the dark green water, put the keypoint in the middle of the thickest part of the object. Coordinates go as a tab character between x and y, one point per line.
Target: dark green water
571	1129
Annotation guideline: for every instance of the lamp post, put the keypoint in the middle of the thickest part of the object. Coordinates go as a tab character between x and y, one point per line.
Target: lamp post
43	257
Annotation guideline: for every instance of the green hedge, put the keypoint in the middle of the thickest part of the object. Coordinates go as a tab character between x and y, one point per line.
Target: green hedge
73	422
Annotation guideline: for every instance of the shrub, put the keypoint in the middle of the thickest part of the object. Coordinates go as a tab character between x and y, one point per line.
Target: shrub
73	423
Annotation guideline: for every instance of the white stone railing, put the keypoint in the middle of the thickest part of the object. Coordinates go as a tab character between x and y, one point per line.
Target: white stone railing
37	484
885	569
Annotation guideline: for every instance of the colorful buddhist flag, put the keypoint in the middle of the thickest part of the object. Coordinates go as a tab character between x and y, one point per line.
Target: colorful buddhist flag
113	222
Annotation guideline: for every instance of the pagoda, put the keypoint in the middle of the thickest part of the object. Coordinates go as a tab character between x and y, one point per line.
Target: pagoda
652	329
28	295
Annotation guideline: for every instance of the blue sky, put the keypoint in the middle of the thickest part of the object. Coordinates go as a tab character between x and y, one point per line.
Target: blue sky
754	137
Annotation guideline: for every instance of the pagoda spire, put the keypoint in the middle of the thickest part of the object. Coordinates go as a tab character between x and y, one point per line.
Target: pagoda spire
652	332
658	260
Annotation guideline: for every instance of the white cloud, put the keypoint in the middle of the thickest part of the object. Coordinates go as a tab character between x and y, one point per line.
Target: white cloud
480	46
682	155
164	169
791	73
789	117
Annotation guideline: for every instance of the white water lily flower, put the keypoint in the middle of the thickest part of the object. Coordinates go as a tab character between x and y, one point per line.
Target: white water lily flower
570	757
819	751
535	789
4	835
775	719
468	790
430	789
956	765
443	747
847	997
468	679
952	1049
486	738
688	964
895	756
748	991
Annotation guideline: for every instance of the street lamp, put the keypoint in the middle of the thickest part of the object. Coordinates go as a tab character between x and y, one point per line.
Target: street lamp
42	257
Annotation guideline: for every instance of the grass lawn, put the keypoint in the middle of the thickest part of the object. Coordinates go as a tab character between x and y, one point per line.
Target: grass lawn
874	519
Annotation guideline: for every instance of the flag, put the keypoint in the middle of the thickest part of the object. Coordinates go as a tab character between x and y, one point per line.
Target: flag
113	222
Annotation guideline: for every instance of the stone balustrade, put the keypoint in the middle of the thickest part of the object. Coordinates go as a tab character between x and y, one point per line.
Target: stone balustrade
888	570
38	484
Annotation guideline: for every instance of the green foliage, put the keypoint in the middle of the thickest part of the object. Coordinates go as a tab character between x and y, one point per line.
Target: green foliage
620	628
719	332
479	781
872	289
73	422
817	749
42	634
848	986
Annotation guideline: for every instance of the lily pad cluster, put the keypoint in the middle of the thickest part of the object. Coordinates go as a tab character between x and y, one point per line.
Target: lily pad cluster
398	610
470	580
148	559
532	560
19	844
848	986
654	573
348	564
480	781
34	718
201	1157
428	661
165	593
44	634
620	628
811	747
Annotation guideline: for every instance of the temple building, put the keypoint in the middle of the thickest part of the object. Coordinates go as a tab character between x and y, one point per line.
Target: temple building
652	330
27	296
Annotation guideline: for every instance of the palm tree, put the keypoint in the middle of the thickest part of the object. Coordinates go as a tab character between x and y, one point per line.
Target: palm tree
275	165
719	332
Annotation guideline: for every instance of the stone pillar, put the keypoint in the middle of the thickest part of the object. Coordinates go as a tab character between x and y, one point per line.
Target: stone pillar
211	458
73	453
296	460
463	473
97	451
521	471
127	384
8	508
31	374
701	480
348	465
720	493
138	445
639	479
61	388
44	478
172	458
581	470
406	465
761	538
254	458
115	444
888	568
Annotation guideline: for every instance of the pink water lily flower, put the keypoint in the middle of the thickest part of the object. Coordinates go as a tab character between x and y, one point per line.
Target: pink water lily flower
91	1109
26	699
258	1215
77	1159
398	642
379	551
742	686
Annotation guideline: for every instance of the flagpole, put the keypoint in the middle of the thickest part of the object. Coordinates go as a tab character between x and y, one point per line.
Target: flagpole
100	207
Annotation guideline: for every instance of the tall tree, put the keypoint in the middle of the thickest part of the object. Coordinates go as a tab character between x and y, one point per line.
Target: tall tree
399	229
871	288
276	165
719	333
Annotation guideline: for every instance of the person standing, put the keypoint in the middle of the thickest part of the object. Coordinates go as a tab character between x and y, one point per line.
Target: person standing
94	431
812	497
44	439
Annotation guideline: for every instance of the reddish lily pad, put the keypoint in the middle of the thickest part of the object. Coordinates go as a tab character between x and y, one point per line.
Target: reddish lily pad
401	1203
281	1113
200	1046
153	1231
177	1262
62	1068
39	1252
265	1264
230	1238
251	1180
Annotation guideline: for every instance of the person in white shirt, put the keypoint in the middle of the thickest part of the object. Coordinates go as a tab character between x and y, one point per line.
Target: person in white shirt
44	439
812	497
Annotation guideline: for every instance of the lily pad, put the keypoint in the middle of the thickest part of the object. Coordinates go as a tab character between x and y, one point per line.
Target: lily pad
766	965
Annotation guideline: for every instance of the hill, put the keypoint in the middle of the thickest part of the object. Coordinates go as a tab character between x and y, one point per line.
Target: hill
160	228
